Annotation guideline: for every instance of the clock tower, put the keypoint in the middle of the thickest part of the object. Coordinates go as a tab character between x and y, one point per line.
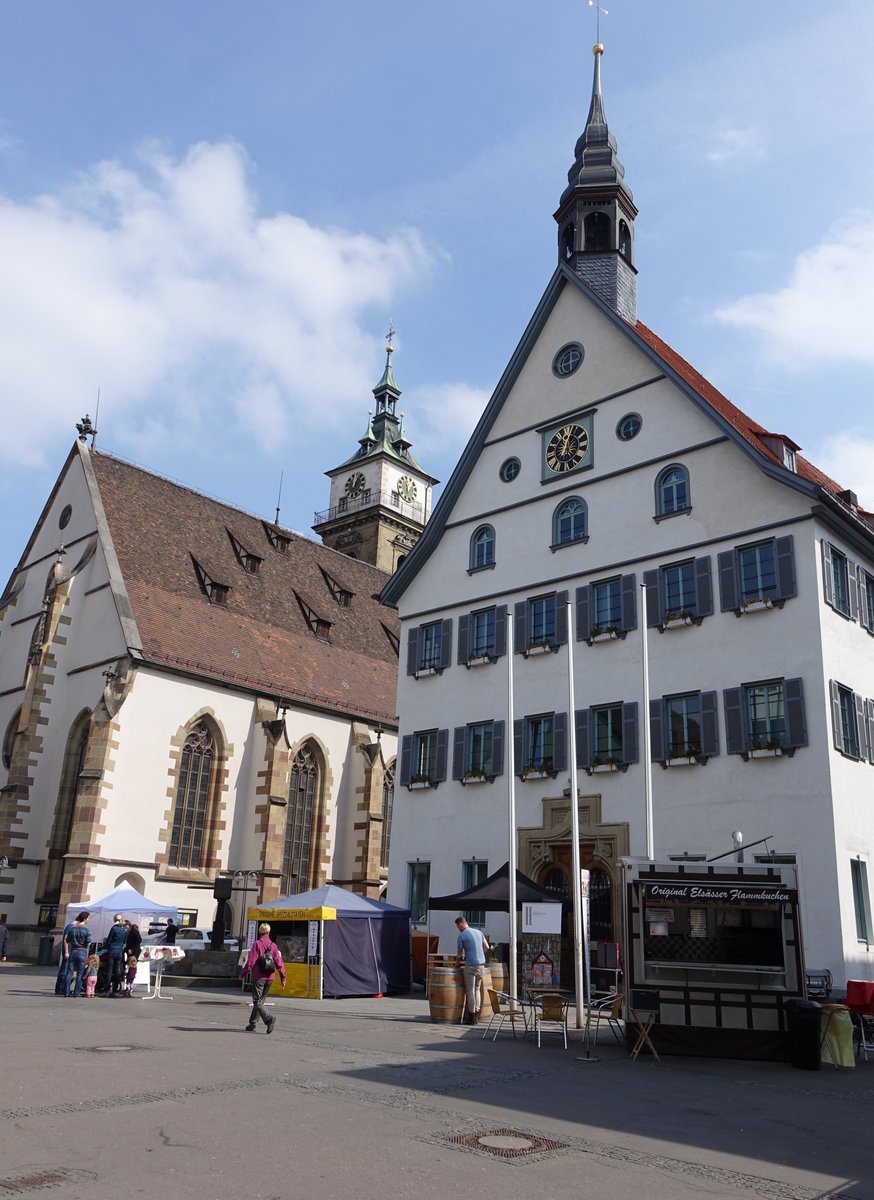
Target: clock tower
380	497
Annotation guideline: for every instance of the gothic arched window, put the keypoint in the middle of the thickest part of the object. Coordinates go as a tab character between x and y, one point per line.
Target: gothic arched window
194	793
388	799
297	865
597	229
65	806
672	491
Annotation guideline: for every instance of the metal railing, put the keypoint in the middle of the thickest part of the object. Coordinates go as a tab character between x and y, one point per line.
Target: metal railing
368	499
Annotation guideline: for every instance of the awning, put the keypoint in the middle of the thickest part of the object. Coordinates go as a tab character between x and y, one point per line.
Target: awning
493	894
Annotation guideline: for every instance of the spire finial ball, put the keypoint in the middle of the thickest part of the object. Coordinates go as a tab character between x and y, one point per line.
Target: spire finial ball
598	48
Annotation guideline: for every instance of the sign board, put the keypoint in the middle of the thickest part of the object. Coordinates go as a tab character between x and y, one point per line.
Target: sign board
659	894
541	918
313	942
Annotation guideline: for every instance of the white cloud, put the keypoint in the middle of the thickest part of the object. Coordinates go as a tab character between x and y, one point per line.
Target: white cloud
162	286
445	416
736	145
823	314
848	457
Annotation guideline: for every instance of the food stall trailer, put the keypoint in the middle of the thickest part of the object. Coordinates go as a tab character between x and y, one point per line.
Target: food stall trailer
715	952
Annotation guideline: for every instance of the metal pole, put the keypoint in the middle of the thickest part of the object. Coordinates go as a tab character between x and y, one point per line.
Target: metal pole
509	742
576	880
644	722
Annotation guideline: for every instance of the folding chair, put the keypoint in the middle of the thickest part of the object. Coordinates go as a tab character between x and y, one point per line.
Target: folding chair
551	1012
860	1002
605	1012
504	1008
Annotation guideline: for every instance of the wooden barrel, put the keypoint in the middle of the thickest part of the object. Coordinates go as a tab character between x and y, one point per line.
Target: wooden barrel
446	995
500	976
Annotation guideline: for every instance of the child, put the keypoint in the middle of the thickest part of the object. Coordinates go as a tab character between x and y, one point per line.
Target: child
130	977
92	966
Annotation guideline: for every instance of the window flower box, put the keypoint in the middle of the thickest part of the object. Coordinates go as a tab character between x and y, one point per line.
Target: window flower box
540	648
757	605
418	782
686	758
677	620
767	752
479	660
425	671
599	634
542	770
470	777
603	768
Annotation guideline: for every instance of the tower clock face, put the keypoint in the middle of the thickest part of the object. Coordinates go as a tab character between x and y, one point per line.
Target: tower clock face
355	484
407	489
566	448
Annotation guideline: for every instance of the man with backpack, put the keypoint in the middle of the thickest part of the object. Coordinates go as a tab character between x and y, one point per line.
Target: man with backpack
262	964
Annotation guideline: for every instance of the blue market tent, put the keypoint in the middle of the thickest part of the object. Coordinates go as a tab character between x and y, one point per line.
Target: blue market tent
365	950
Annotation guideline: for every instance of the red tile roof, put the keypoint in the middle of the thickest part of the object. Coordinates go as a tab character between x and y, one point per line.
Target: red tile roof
749	429
259	641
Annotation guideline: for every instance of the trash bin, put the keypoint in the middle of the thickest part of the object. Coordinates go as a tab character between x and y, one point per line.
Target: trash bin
45	955
803	1023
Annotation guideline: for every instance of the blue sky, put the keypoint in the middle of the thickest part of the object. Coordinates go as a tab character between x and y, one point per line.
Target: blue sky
210	211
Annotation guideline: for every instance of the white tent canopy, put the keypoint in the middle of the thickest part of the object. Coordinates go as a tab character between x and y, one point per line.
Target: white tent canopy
133	906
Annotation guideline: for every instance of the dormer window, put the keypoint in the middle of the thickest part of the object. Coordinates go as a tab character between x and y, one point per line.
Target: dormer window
783	448
394	640
215	591
788	457
248	561
278	540
342	595
318	625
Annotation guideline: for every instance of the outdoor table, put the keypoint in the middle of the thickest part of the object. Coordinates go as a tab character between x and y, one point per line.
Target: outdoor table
160	955
644	1030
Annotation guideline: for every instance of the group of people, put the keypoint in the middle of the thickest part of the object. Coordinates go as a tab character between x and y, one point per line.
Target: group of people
80	969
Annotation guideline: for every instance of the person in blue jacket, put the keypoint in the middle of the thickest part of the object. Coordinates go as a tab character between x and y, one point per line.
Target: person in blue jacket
114	944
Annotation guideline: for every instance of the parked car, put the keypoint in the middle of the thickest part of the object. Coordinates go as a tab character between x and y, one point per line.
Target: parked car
190	938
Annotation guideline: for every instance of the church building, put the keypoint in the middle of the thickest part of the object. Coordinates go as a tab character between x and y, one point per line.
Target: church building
611	498
188	691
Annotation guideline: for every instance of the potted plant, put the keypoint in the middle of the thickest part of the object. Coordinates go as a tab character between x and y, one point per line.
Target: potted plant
756	604
541	770
674	620
540	646
474	776
770	747
682	756
603	633
420	781
603	764
478	658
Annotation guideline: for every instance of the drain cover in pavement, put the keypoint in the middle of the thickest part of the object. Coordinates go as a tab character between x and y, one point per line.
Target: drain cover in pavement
39	1179
107	1049
506	1143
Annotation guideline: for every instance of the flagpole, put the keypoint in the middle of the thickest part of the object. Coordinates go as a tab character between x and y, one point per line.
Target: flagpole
575	827
509	742
644	722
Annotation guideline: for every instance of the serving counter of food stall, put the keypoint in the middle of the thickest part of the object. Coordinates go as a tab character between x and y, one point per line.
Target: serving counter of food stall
716	949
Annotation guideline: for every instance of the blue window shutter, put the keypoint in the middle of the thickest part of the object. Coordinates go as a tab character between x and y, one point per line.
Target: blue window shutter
442	755
796	721
728	589
657	730
519	744
629	602
861	726
630	752
498	747
501	630
654	607
710	723
869	722
828	579
406	759
703	587
559	741
735	720
784	551
866	617
459	752
581	725
561	618
837	735
520	627
584	624
413	650
463	638
446	644
853	588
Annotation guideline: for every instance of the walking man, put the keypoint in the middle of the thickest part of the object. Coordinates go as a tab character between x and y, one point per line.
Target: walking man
472	951
262	964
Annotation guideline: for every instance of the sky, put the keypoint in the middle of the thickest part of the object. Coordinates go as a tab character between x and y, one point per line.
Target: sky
210	211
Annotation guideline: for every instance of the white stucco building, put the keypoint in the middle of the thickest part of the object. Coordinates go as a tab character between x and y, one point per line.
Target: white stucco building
603	469
188	692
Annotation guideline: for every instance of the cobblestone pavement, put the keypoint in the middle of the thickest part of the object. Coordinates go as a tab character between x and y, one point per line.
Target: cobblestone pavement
103	1098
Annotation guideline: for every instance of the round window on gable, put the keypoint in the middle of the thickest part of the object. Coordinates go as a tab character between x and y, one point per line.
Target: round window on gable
568	359
510	468
64	518
629	427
